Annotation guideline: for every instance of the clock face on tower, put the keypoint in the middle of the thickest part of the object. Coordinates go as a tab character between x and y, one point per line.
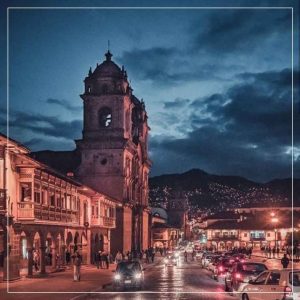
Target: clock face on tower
105	117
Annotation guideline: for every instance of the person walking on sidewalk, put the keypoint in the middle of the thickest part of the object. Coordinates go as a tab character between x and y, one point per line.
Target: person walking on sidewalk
119	257
285	261
107	260
68	256
36	259
273	251
77	265
185	256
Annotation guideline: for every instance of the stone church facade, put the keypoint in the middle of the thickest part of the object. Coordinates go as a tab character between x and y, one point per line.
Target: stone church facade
113	151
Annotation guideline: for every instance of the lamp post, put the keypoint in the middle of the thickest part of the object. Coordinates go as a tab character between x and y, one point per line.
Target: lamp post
274	220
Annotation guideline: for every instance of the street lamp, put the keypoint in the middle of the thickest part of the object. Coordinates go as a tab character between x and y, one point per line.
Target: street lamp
275	220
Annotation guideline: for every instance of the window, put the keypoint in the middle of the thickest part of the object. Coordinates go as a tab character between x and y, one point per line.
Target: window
262	278
245	234
105	117
52	200
93	210
274	278
268	234
25	192
37	197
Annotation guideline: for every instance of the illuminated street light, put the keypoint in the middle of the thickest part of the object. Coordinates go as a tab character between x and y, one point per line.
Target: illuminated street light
275	220
272	214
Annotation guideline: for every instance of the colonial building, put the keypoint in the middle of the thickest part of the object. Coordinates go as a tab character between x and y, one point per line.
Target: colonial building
162	233
177	210
44	210
249	227
114	152
112	156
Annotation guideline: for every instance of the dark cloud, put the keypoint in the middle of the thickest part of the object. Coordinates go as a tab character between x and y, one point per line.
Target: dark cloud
64	104
246	131
165	67
240	30
44	125
177	103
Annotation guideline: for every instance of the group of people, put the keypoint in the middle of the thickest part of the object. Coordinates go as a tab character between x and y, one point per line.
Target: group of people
268	251
146	256
102	259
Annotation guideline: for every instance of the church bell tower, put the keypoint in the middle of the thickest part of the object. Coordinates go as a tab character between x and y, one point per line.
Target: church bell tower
114	151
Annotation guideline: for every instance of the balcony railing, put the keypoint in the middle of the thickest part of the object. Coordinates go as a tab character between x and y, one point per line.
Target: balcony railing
2	201
109	222
25	211
224	237
31	211
261	238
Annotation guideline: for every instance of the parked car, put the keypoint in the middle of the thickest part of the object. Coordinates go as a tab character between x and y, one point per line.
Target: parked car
272	285
206	258
222	268
239	257
213	263
241	273
129	274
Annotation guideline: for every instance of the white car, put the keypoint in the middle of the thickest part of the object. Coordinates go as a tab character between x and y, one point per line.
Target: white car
272	285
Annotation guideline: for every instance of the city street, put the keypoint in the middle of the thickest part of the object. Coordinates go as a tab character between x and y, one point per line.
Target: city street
187	281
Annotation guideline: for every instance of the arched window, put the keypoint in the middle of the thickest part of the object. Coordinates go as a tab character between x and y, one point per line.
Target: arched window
105	117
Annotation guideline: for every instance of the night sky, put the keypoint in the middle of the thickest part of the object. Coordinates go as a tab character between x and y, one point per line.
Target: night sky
217	83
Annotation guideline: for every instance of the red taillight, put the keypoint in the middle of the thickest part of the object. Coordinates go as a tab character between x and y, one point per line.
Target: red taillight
238	276
288	292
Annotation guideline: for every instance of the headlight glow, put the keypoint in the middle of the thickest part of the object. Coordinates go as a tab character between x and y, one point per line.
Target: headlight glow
117	277
138	275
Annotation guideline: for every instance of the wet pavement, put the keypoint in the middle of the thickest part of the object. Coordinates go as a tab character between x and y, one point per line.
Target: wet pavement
187	281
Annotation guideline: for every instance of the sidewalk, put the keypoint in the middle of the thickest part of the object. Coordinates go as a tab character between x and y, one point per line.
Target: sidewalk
62	284
273	262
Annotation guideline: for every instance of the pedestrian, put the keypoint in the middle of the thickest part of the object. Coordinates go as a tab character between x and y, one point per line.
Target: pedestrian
107	260
152	256
273	251
68	257
58	261
102	259
97	259
250	252
36	258
118	257
269	251
285	261
185	256
77	265
266	251
297	254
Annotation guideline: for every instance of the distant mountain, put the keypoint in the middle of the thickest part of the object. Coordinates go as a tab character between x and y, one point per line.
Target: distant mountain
215	192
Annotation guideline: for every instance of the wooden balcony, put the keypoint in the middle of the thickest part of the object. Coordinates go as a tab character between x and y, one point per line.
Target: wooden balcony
2	201
33	211
25	211
109	222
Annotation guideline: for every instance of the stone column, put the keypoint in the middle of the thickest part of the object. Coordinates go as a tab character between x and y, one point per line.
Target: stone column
30	261
43	259
63	254
11	268
53	263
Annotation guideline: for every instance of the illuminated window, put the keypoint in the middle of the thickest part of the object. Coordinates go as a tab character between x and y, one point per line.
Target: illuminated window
105	117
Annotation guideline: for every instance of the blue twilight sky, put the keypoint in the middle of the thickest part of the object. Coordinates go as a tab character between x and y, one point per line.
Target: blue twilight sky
216	82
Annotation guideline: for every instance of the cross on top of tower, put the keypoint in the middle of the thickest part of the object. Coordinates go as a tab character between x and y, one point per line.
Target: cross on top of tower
108	55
